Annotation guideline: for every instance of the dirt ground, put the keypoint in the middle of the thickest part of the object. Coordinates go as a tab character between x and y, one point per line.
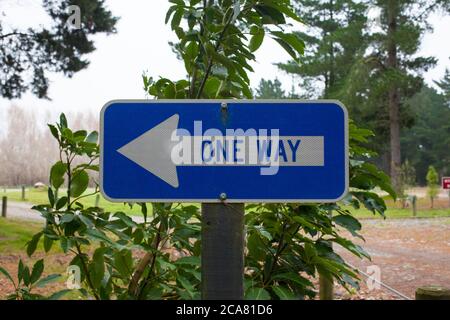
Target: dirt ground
409	252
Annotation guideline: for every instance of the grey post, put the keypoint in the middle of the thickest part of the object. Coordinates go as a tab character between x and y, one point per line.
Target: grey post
23	193
97	200
222	251
4	204
432	293
414	205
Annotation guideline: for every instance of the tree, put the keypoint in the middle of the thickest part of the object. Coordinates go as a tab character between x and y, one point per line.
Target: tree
27	55
395	68
334	39
432	181
426	142
444	84
269	89
285	241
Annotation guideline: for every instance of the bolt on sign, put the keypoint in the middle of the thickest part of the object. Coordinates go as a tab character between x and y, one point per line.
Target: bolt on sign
234	150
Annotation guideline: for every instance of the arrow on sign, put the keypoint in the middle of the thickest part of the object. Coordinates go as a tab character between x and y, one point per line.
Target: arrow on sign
154	151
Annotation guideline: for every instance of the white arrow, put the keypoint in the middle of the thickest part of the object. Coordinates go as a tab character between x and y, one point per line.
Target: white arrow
153	151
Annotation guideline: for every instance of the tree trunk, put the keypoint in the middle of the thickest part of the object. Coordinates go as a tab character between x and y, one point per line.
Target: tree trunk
394	104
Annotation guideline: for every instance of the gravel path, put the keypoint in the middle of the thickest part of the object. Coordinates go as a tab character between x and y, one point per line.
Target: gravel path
409	252
23	211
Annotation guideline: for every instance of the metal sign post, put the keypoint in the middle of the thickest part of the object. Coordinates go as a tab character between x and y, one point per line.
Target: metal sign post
223	154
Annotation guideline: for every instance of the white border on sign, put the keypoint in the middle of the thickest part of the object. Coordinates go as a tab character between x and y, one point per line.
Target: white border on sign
228	101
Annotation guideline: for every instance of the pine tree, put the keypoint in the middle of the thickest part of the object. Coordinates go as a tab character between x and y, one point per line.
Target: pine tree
444	84
333	40
26	55
395	69
269	89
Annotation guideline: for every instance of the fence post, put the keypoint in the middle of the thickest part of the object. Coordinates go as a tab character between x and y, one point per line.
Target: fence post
414	205
4	203
23	193
432	293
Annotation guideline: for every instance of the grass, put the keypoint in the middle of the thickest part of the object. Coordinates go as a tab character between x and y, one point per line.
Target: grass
39	196
395	211
14	234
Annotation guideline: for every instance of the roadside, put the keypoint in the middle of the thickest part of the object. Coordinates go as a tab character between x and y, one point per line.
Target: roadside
23	211
409	253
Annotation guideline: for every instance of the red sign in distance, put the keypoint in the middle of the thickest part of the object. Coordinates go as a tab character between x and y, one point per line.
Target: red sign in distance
446	183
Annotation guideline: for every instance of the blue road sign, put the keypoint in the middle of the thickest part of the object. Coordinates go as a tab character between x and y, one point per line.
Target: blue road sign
211	150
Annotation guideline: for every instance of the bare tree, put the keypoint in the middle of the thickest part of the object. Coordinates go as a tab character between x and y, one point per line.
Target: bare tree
27	149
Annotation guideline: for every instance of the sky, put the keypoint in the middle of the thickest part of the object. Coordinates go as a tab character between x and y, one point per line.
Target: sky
141	45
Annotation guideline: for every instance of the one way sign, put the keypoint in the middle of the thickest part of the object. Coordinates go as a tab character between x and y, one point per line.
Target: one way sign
208	151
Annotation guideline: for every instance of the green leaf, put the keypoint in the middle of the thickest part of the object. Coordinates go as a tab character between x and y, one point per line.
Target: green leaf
123	262
283	293
65	244
212	86
177	18
25	274
270	15
79	135
61	203
57	174
79	183
293	278
54	131
256	40
32	244
194	261
170	91
169	13
6	274
348	222
66	218
48	279
20	268
181	84
86	220
284	8
37	270
191	51
288	49
98	266
48	243
257	294
185	283
292	39
92	137
59	294
51	197
126	219
63	121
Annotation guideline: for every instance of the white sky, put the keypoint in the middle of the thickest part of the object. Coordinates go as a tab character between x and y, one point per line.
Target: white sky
141	45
